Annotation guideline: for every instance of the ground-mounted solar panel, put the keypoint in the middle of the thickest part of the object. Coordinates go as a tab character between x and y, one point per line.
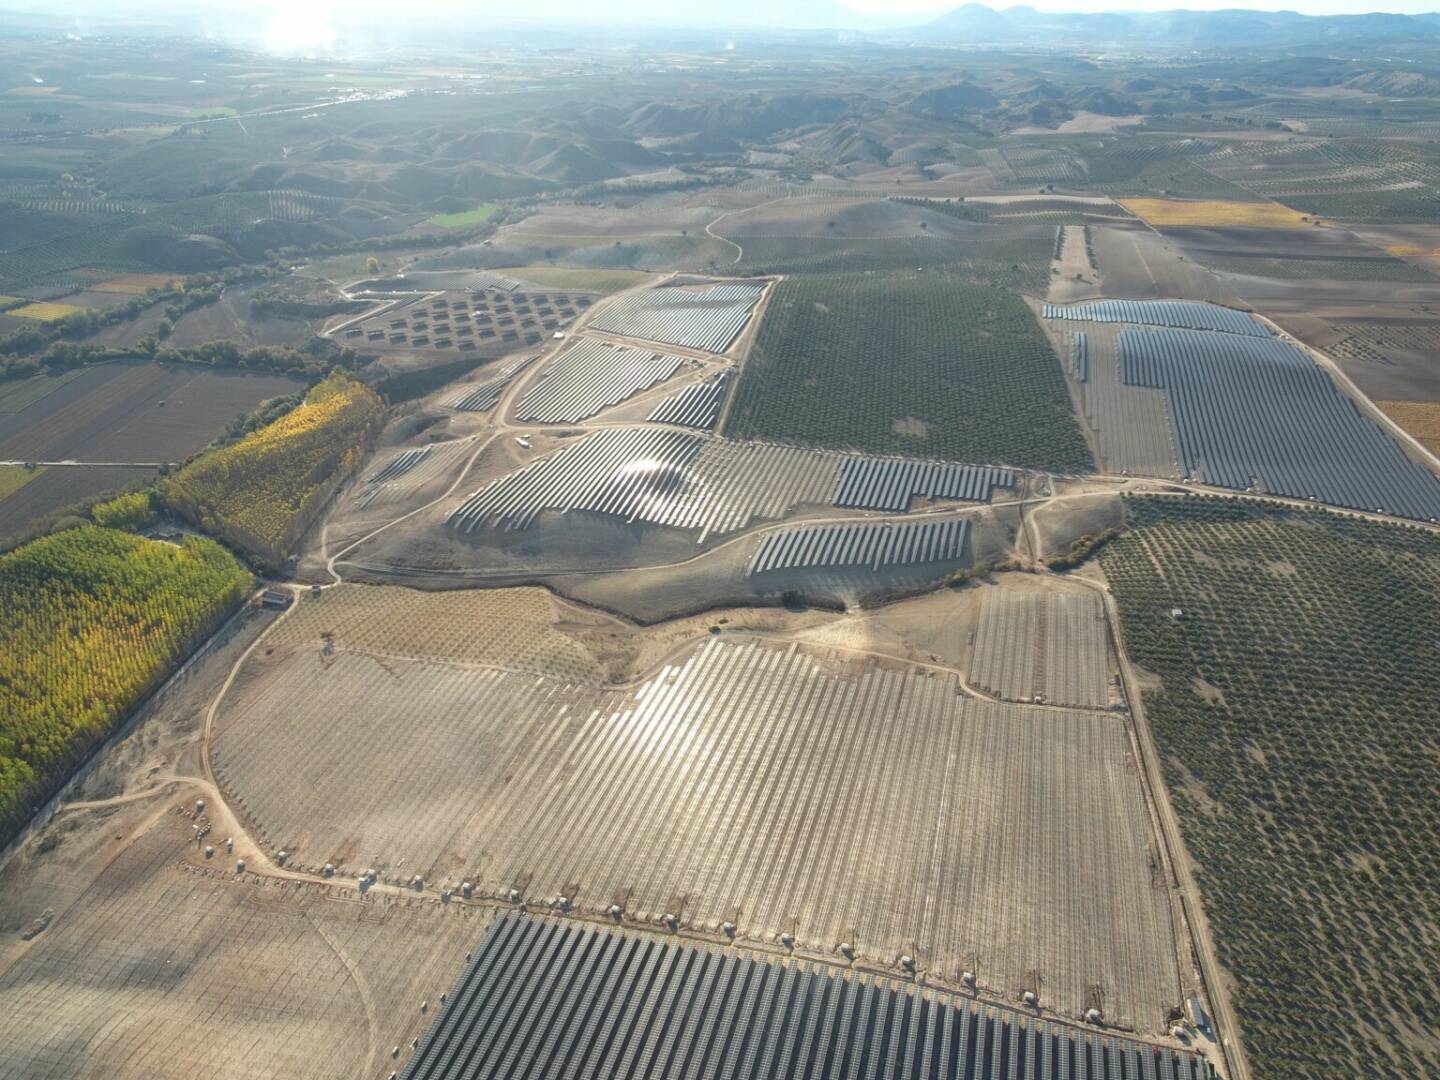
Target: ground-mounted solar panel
697	406
890	484
867	545
1180	314
707	319
484	394
547	997
696	481
590	377
1260	414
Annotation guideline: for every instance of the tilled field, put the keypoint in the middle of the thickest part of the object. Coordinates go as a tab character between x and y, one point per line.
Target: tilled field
771	787
135	412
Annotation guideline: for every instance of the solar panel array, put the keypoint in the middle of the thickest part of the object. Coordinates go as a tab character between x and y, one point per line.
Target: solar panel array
696	406
483	396
399	465
1079	356
1047	644
1184	314
1262	413
687	481
694	481
872	483
708	319
543	997
589	377
870	545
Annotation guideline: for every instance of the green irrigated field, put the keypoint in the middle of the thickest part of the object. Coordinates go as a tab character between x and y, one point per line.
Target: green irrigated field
918	363
466	219
1298	725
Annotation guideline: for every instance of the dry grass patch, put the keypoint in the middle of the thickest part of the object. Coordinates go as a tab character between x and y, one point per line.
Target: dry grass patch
135	284
44	311
1420	418
1215	213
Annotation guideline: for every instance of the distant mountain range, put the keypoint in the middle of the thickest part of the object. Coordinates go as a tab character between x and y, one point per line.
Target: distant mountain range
1235	28
972	23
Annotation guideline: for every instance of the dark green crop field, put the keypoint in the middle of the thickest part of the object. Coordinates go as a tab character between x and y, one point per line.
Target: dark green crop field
916	363
1299	725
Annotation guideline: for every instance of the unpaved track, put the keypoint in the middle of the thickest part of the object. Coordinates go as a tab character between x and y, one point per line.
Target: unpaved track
1196	926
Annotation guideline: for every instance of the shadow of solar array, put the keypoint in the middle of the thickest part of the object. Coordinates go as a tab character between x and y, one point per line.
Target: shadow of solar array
1048	645
709	319
1183	314
697	406
546	998
868	545
591	376
714	485
1260	413
482	396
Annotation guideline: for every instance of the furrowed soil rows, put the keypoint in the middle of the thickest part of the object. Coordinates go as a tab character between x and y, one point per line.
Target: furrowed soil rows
787	791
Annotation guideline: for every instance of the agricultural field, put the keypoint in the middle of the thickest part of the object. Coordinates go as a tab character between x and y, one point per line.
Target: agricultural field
264	491
600	282
56	495
128	412
93	619
1419	418
1292	696
1174	213
44	312
465	219
979	382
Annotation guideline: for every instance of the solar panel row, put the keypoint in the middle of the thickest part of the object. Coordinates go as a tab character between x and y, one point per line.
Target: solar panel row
708	319
869	545
545	998
697	406
1260	413
711	484
1185	314
589	377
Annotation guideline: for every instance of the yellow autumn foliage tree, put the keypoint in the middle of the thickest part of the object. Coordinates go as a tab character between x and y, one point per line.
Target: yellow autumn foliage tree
92	620
261	493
